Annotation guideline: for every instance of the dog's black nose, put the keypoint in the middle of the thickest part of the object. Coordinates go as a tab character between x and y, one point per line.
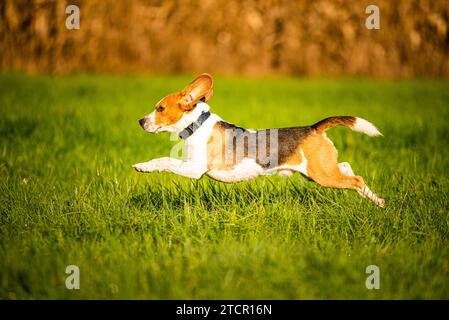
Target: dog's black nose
142	122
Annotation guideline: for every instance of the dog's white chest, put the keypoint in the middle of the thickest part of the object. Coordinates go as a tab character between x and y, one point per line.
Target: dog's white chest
196	144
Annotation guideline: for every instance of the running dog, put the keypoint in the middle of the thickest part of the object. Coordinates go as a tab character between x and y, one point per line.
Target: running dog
229	153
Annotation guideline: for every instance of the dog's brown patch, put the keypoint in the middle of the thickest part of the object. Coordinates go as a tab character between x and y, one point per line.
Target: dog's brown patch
168	110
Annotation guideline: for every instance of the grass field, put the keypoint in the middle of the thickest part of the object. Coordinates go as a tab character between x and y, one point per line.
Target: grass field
68	195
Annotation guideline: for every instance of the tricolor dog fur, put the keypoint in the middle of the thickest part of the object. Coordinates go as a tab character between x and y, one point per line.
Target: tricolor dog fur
229	153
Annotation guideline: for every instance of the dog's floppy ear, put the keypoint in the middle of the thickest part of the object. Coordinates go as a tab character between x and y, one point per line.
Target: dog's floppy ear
198	89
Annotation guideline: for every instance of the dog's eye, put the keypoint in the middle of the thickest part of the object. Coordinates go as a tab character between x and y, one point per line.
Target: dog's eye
160	109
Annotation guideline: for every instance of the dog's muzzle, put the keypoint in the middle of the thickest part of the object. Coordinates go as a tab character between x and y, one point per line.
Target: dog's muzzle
147	124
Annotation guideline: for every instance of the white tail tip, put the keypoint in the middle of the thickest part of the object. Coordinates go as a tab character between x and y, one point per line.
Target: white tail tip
363	126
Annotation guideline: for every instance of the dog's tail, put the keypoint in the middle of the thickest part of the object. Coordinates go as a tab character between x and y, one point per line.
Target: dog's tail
356	124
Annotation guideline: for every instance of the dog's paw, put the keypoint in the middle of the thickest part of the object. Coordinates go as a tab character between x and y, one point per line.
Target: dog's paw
142	167
381	203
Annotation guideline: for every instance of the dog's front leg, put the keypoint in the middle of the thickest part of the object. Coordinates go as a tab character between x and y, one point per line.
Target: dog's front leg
182	168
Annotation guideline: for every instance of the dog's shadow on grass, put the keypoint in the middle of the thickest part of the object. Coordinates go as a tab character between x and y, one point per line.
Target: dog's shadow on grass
211	195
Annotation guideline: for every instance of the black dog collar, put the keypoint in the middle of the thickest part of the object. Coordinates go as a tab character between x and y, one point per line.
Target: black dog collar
191	128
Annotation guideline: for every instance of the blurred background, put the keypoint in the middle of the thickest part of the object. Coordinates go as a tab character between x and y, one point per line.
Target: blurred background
227	37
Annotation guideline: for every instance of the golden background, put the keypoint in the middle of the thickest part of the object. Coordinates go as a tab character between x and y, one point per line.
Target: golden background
227	37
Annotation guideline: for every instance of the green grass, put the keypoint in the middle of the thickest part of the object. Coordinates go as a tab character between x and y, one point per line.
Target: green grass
68	195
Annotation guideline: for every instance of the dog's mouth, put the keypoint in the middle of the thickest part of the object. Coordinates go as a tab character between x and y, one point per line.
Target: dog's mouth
149	127
153	130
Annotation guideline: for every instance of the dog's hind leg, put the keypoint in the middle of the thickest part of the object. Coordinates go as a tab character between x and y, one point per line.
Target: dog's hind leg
367	193
364	191
324	169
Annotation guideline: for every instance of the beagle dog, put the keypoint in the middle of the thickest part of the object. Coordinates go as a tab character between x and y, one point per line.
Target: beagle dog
229	153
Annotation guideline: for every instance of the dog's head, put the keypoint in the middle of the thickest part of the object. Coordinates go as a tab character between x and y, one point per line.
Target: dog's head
175	111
